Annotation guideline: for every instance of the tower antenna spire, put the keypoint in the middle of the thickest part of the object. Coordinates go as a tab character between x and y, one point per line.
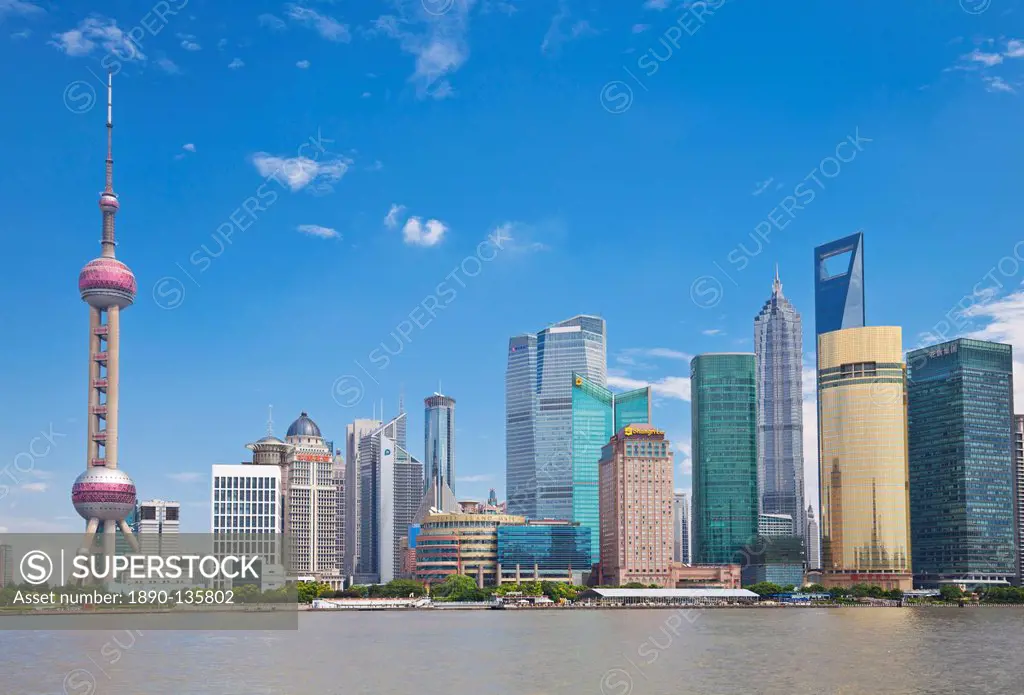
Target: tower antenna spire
109	203
270	421
777	283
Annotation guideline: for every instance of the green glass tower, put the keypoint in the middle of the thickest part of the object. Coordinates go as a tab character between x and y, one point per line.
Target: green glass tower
724	444
597	414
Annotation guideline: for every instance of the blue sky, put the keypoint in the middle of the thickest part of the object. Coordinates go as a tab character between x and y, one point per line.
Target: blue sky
356	155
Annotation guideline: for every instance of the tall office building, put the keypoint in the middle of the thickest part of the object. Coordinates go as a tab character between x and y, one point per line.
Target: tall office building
157	525
538	412
839	284
6	566
637	532
438	446
862	454
246	499
354	434
775	525
724	447
338	478
390	490
597	414
962	463
1018	438
811	538
681	528
778	351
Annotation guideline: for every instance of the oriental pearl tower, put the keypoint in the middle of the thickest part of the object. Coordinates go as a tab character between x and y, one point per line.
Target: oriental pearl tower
104	495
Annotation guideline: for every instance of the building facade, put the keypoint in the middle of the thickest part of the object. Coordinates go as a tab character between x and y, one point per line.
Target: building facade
538	406
839	284
439	441
813	541
247	503
556	551
354	434
636	507
391	488
597	414
450	544
778	353
862	454
338	478
6	566
775	525
1018	437
681	528
310	502
962	463
724	448
157	526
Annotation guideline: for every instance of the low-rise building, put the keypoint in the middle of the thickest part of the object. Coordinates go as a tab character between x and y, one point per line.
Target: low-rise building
544	550
450	544
665	597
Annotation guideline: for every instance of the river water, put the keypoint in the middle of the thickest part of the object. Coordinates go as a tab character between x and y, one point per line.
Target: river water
574	652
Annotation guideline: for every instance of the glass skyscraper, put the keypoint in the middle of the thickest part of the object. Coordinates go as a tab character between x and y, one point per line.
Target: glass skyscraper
724	446
778	349
538	412
962	492
862	454
839	285
439	441
597	414
1018	438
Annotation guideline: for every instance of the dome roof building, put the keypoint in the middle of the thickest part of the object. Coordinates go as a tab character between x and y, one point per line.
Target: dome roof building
303	427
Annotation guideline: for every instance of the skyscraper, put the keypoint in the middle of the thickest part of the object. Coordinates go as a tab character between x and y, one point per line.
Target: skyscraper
597	414
246	499
681	528
862	454
104	495
354	434
778	350
390	490
6	566
636	508
157	524
311	511
962	463
338	478
839	284
1018	437
439	441
811	538
724	446
538	407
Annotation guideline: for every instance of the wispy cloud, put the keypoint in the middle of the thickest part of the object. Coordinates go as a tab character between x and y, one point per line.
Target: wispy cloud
189	43
640	28
302	64
186	477
1004	323
997	84
712	331
986	59
563	29
487	478
299	172
272	22
394	216
18	7
657	4
98	33
677	387
35	487
519	237
168	66
318	231
189	147
236	63
328	27
416	232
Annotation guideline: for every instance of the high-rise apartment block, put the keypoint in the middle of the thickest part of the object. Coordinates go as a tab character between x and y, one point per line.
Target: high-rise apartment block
636	508
597	414
862	454
724	447
962	463
778	351
538	412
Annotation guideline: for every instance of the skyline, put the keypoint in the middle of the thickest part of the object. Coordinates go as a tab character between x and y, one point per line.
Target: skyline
285	311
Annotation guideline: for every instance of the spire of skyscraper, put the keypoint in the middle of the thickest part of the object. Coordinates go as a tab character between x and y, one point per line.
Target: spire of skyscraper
270	421
777	284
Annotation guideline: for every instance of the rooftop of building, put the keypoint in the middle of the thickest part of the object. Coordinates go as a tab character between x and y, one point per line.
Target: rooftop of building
303	427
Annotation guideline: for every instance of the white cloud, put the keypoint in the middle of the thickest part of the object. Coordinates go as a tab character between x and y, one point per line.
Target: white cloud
168	66
188	147
986	59
98	32
684	457
474	478
318	231
419	233
712	331
35	487
517	237
998	84
186	477
394	216
299	172
328	27
302	64
1004	319
188	42
677	387
556	35
18	7
657	4
222	44
366	95
1014	49
236	63
640	28
271	22
23	34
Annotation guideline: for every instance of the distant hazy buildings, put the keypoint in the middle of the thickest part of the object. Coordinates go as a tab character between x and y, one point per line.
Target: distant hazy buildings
390	490
778	351
962	463
597	414
724	446
354	434
681	528
636	508
157	526
556	551
839	284
813	541
862	444
6	566
538	408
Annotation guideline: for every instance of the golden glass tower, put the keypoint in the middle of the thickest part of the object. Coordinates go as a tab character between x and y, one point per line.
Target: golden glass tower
862	454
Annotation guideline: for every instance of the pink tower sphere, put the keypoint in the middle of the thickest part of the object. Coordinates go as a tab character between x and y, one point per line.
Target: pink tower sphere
108	202
103	493
106	282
